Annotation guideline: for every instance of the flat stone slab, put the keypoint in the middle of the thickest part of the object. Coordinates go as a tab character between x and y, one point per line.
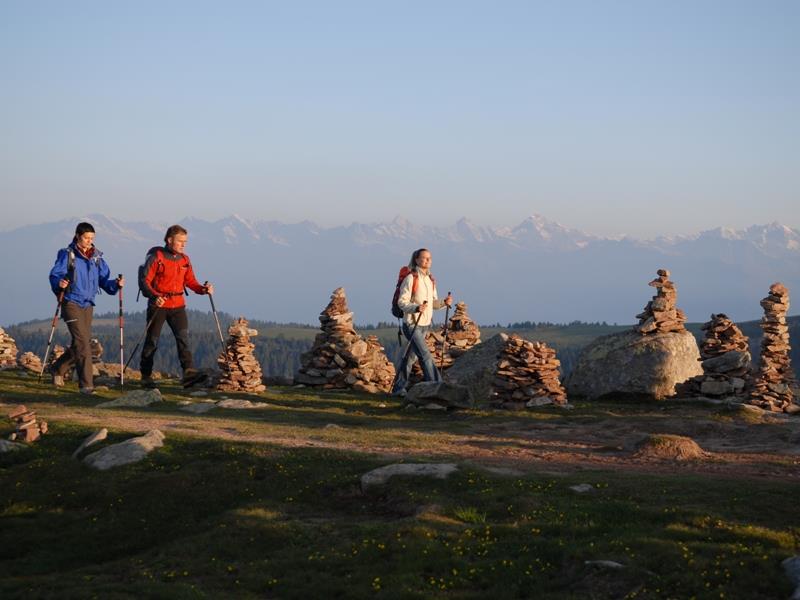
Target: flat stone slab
230	403
136	399
582	488
199	393
381	475
97	436
439	392
127	452
608	564
199	408
791	566
6	446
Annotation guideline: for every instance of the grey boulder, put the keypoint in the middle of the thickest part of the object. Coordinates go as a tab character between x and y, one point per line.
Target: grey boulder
127	452
381	475
97	436
441	393
629	363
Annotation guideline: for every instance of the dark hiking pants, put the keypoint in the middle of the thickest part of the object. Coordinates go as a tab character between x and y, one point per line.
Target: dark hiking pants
179	324
79	354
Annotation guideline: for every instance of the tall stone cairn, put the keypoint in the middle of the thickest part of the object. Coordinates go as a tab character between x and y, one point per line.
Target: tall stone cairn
661	315
240	369
772	383
8	351
340	358
462	334
30	362
527	372
725	357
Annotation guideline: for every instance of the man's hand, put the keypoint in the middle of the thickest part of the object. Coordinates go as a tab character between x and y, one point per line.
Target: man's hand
160	301
63	283
209	289
121	281
449	300
422	307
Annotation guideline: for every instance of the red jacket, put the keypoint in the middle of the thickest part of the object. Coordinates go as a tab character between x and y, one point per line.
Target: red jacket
166	275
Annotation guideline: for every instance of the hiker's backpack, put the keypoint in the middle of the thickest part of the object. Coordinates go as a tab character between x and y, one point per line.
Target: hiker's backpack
142	273
71	264
143	268
405	272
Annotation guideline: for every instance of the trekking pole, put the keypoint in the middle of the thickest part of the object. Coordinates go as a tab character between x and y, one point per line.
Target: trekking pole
216	318
52	331
444	339
408	348
121	340
141	339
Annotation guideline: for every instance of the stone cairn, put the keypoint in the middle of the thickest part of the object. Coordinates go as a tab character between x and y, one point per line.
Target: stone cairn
726	360
772	383
240	369
30	362
462	334
527	372
55	354
26	427
8	351
97	351
340	358
661	315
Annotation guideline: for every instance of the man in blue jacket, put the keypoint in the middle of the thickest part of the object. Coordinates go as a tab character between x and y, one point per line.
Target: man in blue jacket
80	272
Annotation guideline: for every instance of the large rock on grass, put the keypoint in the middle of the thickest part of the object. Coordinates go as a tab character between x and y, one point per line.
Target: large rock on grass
127	452
630	364
136	398
381	475
441	393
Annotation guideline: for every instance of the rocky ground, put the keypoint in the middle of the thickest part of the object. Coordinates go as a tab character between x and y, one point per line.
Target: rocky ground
686	459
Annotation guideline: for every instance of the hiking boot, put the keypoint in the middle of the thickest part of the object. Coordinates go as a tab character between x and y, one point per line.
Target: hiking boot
58	380
86	391
192	377
148	383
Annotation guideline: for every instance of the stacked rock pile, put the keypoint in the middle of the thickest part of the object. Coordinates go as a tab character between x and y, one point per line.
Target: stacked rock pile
725	357
97	351
30	362
340	358
772	383
528	372
8	351
55	354
661	315
462	334
240	369
26	427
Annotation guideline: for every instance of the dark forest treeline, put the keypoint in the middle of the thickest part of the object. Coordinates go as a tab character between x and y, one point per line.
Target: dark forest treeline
278	346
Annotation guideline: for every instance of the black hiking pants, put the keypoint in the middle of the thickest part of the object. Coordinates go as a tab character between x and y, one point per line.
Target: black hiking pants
79	354
179	324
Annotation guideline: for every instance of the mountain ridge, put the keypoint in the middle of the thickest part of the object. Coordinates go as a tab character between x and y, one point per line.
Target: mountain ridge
537	270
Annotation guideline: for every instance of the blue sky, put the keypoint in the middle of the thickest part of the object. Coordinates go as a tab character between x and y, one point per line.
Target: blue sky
631	117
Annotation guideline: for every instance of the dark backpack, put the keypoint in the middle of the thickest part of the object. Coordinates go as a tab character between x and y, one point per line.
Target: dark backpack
405	272
142	273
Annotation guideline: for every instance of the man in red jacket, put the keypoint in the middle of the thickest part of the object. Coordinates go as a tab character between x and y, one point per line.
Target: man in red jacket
166	273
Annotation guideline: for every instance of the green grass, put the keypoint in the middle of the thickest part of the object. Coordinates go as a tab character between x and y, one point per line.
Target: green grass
208	518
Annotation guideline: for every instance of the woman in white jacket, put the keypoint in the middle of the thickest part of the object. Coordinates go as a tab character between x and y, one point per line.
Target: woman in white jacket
418	299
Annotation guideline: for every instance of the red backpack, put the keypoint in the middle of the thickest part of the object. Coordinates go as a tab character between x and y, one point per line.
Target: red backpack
405	272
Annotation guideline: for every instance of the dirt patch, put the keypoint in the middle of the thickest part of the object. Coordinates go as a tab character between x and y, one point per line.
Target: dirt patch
672	447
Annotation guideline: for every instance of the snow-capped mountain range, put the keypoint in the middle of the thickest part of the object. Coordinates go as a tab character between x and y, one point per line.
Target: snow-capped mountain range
538	270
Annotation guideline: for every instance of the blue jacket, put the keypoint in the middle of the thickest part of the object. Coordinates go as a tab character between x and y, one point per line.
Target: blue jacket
88	276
